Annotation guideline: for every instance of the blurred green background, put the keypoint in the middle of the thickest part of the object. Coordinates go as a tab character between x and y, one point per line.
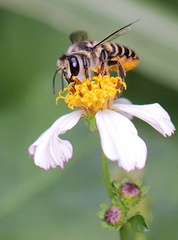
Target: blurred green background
62	204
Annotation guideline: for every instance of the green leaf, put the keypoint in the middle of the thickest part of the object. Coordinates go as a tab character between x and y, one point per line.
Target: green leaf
138	223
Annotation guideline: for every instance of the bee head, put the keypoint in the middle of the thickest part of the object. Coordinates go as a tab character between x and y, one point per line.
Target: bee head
68	66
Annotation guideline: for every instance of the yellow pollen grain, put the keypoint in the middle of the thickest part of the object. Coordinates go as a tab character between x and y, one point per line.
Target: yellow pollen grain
93	94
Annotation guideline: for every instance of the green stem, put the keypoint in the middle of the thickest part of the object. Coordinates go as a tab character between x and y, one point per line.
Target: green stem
123	232
106	177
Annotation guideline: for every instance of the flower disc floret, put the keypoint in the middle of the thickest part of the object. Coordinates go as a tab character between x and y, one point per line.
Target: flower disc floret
94	94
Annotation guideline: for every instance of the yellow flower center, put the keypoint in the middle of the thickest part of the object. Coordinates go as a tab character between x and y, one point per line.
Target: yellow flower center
93	94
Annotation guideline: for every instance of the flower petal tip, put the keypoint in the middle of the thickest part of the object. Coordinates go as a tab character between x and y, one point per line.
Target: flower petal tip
170	131
132	168
120	142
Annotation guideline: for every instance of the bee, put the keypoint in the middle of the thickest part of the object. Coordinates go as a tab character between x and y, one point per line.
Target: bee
84	57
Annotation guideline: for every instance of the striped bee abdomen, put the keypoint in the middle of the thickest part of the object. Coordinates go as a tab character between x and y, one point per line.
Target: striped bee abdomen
126	56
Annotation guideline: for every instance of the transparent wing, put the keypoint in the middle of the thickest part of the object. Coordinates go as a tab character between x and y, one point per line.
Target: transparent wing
78	36
116	34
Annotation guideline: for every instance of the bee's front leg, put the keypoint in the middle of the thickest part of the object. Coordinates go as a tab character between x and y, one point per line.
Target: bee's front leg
85	66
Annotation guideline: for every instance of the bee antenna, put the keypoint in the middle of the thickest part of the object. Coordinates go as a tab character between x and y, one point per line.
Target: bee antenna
62	82
54	81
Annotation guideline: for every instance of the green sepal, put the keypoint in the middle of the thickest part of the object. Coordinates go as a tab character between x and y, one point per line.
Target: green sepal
138	223
104	208
144	190
91	122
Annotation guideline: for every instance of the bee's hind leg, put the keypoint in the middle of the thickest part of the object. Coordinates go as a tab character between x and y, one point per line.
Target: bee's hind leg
121	71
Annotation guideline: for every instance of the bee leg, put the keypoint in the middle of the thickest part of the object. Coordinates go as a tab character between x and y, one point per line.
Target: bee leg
86	66
121	73
103	59
121	70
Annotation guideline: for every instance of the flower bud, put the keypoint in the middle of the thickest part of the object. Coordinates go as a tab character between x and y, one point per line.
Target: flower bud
113	215
130	192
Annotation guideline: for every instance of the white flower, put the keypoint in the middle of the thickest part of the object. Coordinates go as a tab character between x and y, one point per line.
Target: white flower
119	138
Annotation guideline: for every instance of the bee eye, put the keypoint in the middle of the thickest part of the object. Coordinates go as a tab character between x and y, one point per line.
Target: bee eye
74	66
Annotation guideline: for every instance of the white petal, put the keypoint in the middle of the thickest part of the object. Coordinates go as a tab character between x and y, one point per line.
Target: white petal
120	141
153	114
62	148
67	121
49	150
123	101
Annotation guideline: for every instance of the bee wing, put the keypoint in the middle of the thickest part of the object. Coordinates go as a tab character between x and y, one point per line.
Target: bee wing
78	36
116	34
